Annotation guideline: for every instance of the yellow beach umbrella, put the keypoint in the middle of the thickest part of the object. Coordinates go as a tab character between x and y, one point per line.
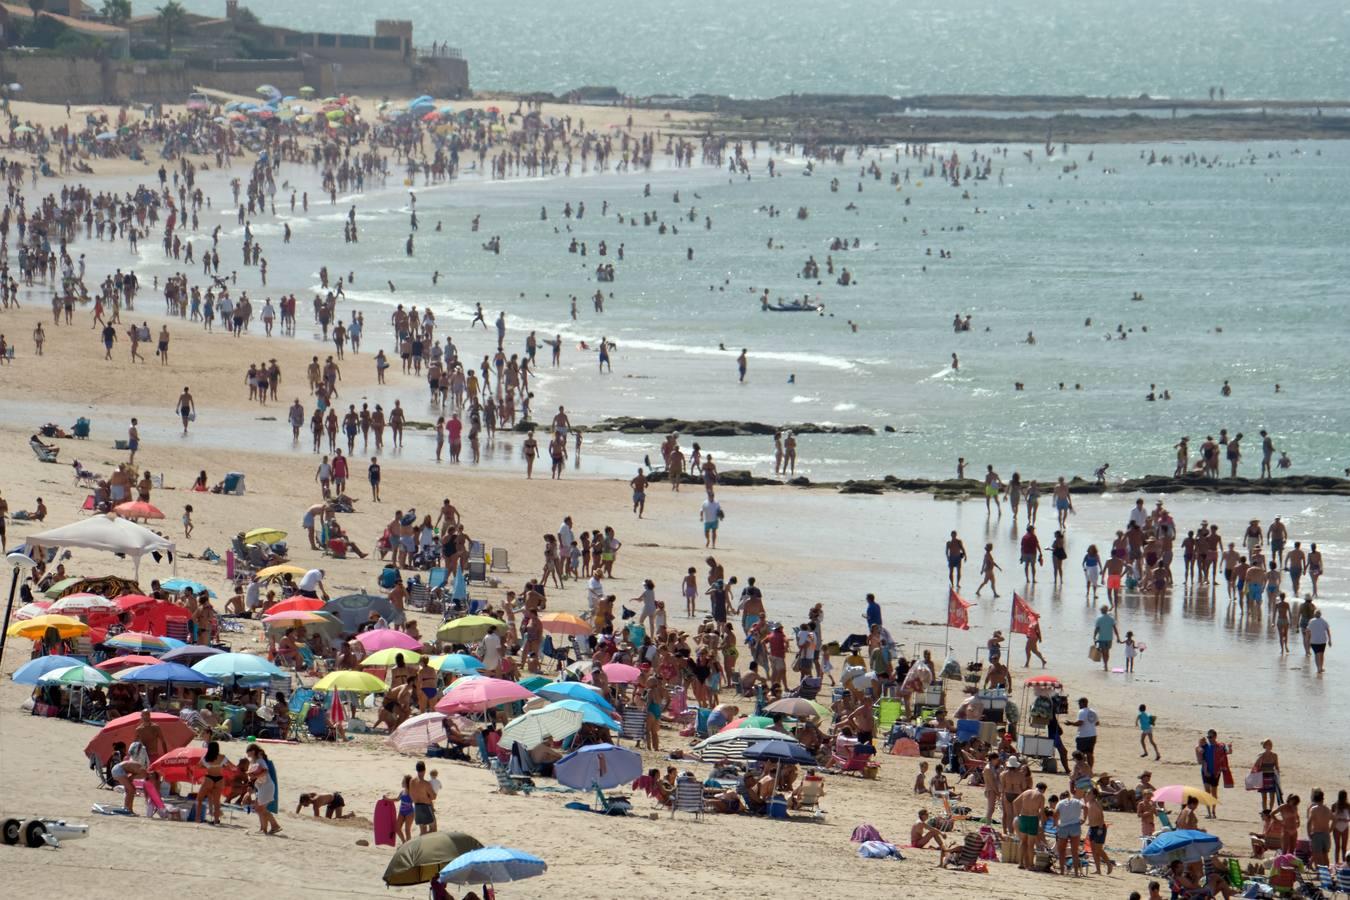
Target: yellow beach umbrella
264	536
33	629
389	657
279	570
349	680
467	628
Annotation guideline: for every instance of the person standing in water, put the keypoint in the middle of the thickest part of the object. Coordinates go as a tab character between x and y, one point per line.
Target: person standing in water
741	364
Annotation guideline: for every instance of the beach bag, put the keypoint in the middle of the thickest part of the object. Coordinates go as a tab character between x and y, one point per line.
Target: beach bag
1095	653
865	832
1253	781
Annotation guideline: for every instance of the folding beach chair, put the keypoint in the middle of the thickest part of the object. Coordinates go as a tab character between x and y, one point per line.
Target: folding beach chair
508	783
634	723
688	798
501	562
560	656
812	788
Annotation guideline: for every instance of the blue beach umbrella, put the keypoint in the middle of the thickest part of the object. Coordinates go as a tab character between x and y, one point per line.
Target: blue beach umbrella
226	666
167	674
598	765
574	690
31	671
779	752
458	663
190	654
1186	845
492	865
178	584
590	713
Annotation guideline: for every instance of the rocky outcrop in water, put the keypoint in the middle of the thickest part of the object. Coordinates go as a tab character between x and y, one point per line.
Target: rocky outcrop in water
719	428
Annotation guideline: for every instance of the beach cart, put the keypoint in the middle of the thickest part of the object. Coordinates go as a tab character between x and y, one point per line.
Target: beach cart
1042	697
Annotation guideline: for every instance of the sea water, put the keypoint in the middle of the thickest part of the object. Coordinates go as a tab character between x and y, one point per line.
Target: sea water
1240	262
1170	48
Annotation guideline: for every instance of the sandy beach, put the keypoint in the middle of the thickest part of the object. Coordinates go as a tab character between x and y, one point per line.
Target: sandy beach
1209	663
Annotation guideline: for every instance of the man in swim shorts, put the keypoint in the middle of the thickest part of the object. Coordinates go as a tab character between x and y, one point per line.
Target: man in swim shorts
424	800
1028	808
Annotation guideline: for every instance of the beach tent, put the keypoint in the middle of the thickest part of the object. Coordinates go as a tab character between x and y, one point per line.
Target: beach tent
110	534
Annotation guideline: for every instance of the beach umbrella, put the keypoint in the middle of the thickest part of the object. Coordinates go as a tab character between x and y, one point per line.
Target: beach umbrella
78	604
779	751
279	570
1186	845
297	604
168	673
175	730
294	618
35	628
387	638
117	663
182	584
419	860
418	733
30	610
129	602
621	673
533	683
267	90
78	675
137	509
389	657
138	642
458	663
564	623
799	708
492	865
743	722
478	693
227	666
431	116
183	765
579	669
190	654
1180	793
590	713
540	725
575	690
307	91
59	588
467	629
354	610
264	536
598	765
733	744
109	586
351	680
31	671
24	129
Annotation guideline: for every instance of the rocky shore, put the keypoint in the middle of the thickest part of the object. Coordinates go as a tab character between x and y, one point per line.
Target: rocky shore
719	428
957	489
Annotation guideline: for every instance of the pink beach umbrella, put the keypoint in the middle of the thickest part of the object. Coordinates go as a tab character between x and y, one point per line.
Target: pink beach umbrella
621	673
478	693
386	639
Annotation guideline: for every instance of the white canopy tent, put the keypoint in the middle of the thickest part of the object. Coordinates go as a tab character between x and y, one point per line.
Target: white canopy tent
110	534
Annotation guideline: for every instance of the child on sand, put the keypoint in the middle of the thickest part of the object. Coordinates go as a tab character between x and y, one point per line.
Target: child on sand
187	521
1131	651
920	782
1146	720
1145	809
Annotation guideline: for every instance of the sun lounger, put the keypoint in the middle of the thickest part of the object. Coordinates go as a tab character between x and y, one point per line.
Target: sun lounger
615	804
508	783
501	562
44	452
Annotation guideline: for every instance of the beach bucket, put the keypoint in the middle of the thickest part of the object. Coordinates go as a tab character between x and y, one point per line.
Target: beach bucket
778	808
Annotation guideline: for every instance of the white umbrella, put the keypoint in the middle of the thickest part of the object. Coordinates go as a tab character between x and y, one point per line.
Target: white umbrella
74	604
733	744
539	725
418	733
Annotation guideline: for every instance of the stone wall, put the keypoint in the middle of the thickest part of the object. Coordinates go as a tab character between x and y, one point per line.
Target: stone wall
65	79
443	76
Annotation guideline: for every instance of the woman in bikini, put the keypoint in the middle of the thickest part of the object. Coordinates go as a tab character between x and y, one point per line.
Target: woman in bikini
264	789
213	782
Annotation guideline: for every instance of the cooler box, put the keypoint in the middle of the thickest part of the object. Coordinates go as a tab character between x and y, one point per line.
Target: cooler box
1035	745
930	696
234	719
967	729
989	732
778	808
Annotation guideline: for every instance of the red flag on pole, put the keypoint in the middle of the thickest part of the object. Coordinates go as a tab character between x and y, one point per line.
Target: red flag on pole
957	617
1024	618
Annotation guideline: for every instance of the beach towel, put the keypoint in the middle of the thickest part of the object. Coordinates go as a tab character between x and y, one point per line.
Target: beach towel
276	787
878	850
864	833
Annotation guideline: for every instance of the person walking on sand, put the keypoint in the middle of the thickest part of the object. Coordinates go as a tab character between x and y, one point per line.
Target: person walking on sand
987	568
1319	639
956	555
711	515
187	408
992	484
1031	554
1146	722
1104	630
1063	502
1213	759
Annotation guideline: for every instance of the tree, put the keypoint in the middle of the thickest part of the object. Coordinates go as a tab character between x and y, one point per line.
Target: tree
172	20
37	6
116	11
